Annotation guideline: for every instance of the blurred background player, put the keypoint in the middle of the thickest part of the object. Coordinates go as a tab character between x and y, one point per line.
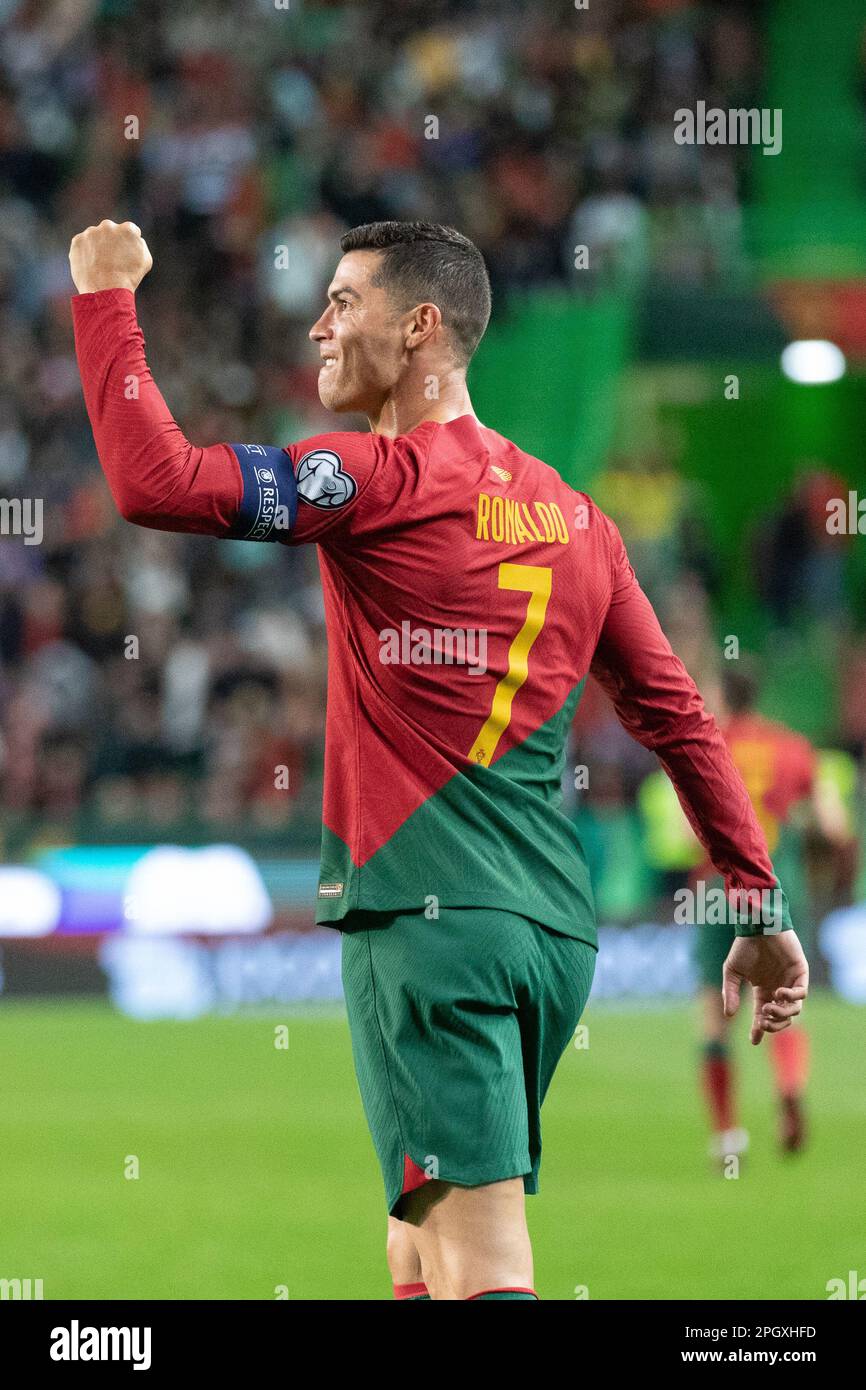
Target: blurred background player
781	772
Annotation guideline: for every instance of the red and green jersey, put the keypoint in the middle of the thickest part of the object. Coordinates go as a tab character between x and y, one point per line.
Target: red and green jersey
468	593
777	765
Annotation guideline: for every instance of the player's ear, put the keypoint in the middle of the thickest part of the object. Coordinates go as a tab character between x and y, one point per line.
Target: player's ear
422	324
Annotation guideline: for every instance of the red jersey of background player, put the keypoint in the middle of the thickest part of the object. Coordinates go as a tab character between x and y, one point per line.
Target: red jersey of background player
777	766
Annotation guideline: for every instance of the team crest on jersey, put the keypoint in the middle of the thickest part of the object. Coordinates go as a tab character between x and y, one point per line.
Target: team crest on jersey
323	481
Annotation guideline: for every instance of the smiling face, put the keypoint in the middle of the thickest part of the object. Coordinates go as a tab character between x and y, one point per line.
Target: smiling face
361	338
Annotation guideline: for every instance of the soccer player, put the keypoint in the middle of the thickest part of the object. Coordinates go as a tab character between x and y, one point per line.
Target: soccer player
779	771
468	590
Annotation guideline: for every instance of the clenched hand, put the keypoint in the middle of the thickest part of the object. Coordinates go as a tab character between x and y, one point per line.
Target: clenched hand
112	256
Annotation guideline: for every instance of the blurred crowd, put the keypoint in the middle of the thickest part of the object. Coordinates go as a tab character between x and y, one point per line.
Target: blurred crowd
151	684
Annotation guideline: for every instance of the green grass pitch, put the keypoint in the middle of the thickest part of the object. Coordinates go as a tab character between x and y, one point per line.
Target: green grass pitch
256	1171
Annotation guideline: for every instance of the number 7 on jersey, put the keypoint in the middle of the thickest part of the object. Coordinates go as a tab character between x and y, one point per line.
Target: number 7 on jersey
536	580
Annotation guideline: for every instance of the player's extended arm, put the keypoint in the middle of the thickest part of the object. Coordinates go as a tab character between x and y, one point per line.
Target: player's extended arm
157	477
658	703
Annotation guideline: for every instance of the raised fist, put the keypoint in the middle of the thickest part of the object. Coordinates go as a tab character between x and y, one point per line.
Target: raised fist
111	256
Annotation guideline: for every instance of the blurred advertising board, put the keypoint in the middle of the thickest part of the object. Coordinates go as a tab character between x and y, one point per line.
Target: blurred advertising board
173	932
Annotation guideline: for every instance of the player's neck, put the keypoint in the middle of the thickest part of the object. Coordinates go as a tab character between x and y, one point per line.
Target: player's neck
409	406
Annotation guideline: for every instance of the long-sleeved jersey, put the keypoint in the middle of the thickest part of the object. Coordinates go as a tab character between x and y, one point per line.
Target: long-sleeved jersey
468	592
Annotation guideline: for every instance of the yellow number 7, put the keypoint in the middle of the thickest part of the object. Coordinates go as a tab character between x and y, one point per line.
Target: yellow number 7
536	580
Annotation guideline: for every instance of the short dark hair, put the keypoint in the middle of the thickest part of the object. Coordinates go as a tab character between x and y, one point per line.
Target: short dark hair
425	261
741	686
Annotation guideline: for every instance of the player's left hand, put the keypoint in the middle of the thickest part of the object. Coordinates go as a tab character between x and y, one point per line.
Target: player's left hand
112	256
778	972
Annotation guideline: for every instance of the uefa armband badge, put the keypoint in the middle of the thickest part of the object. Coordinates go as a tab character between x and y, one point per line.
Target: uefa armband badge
323	481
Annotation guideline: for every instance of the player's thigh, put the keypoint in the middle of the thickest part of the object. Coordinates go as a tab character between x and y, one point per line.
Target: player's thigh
553	1001
556	998
433	1012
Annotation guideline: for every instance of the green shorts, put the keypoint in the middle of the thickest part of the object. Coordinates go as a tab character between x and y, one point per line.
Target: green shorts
711	946
457	1025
